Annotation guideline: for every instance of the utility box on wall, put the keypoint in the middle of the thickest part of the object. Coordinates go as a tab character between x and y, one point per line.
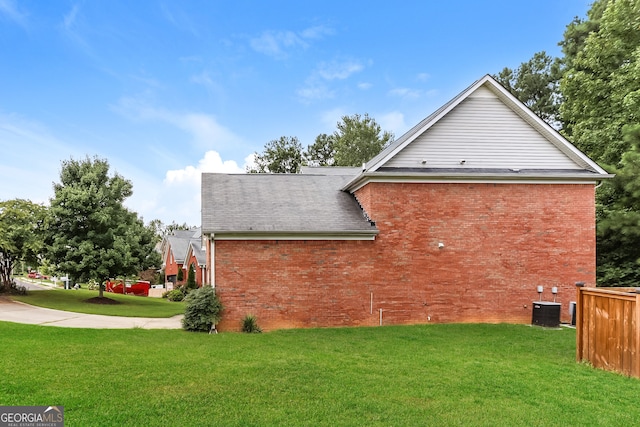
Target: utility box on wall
546	314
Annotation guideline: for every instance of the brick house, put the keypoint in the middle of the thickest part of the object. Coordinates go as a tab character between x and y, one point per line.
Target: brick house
458	220
180	250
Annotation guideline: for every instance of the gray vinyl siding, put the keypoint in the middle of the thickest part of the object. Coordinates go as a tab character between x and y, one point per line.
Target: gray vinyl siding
485	133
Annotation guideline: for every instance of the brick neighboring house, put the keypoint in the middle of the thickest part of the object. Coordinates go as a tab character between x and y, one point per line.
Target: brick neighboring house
180	250
459	220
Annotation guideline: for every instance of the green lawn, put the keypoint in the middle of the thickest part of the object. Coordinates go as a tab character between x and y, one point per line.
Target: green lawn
433	375
76	301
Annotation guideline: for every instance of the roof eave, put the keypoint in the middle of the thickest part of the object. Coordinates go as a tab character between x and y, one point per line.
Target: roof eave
515	177
293	235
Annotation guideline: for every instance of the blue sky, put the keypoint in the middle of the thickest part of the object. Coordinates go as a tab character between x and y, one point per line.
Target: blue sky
166	89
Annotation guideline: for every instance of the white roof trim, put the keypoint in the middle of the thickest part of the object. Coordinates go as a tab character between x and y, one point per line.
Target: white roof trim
371	235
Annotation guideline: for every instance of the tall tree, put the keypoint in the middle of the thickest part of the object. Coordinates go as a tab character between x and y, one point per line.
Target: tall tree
536	84
602	88
358	139
91	235
20	235
618	229
600	112
283	155
321	152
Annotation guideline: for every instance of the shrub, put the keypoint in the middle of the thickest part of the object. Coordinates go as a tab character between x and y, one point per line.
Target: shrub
13	288
175	295
202	310
250	324
191	278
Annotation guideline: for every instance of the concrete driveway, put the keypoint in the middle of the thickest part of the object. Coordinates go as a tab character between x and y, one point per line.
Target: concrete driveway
18	312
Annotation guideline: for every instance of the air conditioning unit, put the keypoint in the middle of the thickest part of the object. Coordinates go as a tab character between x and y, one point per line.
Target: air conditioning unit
546	314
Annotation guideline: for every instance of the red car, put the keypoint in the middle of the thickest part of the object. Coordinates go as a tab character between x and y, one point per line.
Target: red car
139	288
36	275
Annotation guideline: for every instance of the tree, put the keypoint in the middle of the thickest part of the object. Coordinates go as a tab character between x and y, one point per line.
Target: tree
191	278
536	84
358	139
602	88
601	91
618	230
321	152
180	275
283	155
21	224
90	234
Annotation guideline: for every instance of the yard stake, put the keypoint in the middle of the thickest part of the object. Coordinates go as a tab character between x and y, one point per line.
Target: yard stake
380	317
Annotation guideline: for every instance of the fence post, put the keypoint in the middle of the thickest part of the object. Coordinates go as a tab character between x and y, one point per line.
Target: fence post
635	362
579	328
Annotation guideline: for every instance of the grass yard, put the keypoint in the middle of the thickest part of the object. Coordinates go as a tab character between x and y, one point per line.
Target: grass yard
76	301
430	375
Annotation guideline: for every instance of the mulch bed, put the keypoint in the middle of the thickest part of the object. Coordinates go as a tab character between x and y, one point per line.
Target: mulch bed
103	300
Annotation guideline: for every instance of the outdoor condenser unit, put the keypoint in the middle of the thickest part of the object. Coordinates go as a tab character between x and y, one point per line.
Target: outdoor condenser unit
546	313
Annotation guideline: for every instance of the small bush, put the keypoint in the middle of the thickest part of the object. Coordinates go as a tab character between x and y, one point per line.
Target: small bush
175	295
250	324
13	288
202	310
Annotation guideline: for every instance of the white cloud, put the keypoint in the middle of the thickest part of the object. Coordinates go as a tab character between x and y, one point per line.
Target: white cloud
276	43
365	86
183	186
204	128
9	9
339	70
423	77
316	85
406	93
317	32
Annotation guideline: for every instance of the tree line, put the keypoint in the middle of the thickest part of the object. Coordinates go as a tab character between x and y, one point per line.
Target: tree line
357	139
591	94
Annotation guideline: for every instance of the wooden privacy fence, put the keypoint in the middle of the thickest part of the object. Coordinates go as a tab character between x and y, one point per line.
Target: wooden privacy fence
608	328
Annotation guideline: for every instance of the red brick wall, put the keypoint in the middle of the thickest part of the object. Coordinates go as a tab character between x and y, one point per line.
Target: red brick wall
500	242
171	267
198	270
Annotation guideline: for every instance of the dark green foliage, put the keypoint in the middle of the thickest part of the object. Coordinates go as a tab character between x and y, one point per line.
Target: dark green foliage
175	294
358	140
536	83
321	152
90	233
13	288
191	278
250	324
202	310
283	155
21	228
601	91
180	277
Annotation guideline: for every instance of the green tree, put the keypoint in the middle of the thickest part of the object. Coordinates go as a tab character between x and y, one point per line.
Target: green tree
536	84
602	88
283	155
600	113
321	152
358	139
618	229
90	234
180	275
21	223
191	278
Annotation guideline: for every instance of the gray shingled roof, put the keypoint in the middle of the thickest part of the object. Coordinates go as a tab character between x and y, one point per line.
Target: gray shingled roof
179	243
280	204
